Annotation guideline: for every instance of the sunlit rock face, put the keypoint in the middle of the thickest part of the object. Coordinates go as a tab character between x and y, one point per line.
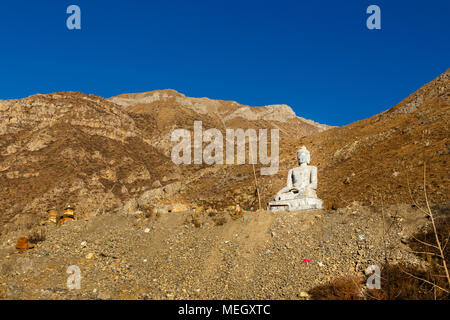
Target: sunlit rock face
300	190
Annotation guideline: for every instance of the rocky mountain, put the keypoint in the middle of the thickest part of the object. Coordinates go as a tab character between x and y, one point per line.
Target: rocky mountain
72	148
373	160
102	155
113	154
152	102
110	158
167	110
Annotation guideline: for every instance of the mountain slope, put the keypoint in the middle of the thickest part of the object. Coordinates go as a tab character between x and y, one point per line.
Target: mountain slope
375	158
70	148
83	150
369	161
114	154
168	110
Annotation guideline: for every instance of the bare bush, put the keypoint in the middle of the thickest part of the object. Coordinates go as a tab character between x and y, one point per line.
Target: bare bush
342	288
37	235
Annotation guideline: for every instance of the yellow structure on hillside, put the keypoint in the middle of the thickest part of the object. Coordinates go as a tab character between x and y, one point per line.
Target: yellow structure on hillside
52	215
69	214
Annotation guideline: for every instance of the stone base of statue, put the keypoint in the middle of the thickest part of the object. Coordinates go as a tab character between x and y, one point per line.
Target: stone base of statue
292	201
295	204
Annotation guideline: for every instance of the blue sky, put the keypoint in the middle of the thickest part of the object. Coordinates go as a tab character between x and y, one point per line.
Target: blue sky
316	56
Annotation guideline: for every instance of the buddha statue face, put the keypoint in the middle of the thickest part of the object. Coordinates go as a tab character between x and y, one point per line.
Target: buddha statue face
303	156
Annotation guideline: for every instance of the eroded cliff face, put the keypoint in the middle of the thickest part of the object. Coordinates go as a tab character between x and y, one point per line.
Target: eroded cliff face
90	114
144	102
166	110
70	148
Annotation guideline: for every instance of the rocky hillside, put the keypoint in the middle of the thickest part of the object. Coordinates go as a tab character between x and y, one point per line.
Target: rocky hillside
180	256
370	161
114	155
97	155
143	221
373	160
167	110
70	148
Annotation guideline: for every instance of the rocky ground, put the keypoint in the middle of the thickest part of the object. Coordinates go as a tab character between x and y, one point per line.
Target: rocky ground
199	256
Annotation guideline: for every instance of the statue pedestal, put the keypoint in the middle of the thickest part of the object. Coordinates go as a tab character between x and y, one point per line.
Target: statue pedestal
300	203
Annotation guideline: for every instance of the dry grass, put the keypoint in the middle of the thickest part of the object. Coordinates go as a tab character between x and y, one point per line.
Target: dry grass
342	288
219	219
236	214
36	236
430	281
197	219
406	282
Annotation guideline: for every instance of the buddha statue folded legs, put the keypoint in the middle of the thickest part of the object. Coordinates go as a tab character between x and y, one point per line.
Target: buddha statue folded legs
300	190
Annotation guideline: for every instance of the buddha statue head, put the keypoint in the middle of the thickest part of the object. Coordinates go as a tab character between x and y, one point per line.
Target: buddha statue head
303	156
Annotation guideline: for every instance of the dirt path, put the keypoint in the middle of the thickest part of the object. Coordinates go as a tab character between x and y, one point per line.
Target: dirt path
244	238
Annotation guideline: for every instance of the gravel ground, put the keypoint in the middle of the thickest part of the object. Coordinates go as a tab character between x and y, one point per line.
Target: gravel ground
258	256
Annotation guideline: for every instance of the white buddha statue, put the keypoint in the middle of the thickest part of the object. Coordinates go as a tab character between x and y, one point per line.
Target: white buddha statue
300	190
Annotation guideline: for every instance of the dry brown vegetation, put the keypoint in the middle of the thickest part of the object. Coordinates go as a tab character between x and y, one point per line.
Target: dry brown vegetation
220	219
406	282
37	235
402	281
342	288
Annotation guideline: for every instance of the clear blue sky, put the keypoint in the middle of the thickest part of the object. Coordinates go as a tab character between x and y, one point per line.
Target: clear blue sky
317	56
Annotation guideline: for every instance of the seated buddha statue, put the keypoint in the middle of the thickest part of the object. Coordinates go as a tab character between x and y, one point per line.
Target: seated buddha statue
300	190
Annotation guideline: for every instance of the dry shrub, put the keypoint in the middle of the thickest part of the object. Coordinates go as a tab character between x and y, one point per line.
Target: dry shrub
148	213
26	221
431	253
197	219
236	214
212	212
157	212
406	283
220	219
36	236
342	288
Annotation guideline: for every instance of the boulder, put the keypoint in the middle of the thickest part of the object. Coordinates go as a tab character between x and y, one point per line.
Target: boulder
130	207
